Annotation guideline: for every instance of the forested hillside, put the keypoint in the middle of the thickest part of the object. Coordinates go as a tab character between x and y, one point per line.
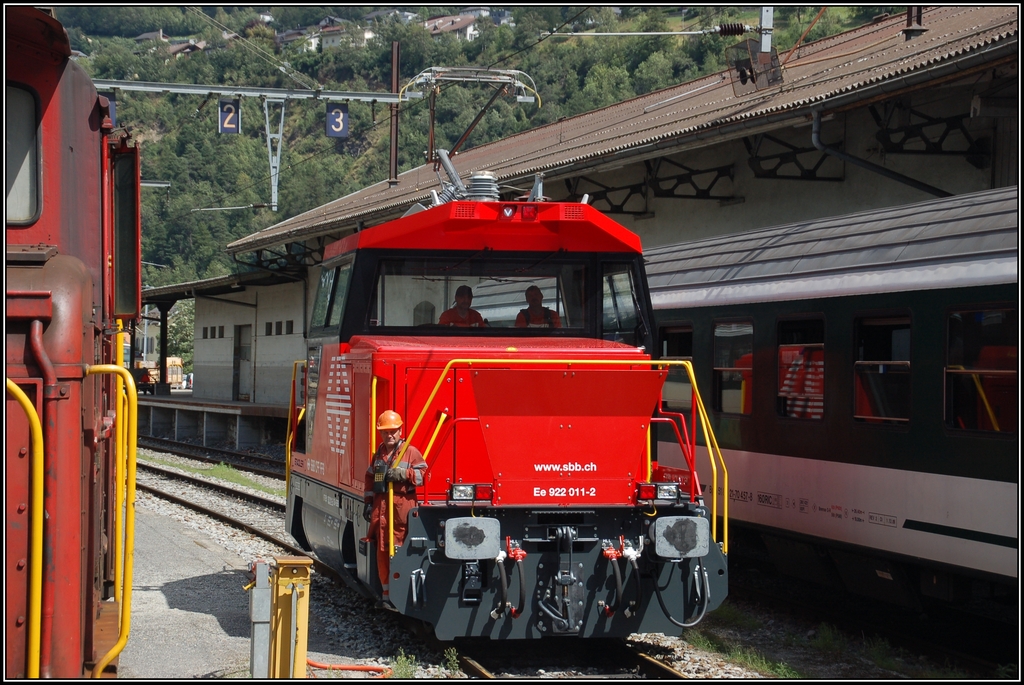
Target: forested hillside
209	170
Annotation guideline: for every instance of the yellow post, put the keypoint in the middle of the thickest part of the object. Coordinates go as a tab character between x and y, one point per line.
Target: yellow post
289	617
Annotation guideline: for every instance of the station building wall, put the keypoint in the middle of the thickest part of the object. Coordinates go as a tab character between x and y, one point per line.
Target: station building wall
271	350
761	202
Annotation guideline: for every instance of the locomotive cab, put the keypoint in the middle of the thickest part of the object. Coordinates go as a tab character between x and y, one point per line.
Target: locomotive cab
534	421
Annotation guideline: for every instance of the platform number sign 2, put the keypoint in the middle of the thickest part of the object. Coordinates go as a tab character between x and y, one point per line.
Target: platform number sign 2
230	117
337	120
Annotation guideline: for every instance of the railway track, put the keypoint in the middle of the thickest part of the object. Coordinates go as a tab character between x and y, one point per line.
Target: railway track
243	461
596	659
259	516
264	518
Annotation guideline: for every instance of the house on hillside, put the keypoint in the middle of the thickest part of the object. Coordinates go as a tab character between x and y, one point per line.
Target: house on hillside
152	35
502	18
186	49
381	15
348	35
462	26
305	40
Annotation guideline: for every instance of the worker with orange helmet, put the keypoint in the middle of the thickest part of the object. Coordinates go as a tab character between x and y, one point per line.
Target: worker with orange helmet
401	466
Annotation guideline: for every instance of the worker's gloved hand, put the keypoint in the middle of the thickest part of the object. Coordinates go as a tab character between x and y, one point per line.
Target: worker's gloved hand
367	511
396	475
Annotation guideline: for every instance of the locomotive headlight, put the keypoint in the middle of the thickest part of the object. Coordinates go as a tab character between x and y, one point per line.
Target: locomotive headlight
463	492
668	491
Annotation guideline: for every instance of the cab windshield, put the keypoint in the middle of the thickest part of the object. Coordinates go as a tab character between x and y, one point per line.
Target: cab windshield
419	292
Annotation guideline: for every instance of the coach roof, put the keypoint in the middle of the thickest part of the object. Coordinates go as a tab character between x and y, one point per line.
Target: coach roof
960	241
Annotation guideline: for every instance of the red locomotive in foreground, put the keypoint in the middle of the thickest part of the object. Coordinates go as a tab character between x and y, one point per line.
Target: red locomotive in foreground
72	272
542	509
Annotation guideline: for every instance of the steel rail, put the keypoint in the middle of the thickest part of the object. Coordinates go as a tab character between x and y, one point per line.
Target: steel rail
234	459
222	489
318	566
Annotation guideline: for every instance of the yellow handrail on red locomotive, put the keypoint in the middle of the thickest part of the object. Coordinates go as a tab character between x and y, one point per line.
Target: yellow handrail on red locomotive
713	449
291	429
129	506
35	586
121	449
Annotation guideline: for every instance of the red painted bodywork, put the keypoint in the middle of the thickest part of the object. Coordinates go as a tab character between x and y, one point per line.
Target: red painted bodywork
59	284
572	227
550	435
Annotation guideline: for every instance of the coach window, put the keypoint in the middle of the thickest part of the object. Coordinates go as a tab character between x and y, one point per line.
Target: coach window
981	370
22	152
677	343
734	368
881	372
801	390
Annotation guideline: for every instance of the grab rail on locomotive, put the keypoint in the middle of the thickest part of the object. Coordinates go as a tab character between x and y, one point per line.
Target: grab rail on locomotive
649	493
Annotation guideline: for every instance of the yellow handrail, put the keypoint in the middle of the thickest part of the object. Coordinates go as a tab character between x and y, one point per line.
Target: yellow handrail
35	586
119	453
713	449
433	437
288	429
129	506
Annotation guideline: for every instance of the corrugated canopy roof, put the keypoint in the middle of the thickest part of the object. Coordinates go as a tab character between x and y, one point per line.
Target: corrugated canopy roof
832	73
968	239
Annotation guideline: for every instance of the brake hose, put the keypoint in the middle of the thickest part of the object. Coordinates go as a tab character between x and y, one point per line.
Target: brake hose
706	597
499	561
517	554
631	555
612	555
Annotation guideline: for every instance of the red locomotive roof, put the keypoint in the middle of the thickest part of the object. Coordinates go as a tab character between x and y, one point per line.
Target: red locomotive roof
39	29
500	226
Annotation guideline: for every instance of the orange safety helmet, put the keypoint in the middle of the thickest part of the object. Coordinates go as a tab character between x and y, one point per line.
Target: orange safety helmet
389	420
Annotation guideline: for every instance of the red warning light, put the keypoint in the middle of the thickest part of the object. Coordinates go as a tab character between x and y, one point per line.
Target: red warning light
530	212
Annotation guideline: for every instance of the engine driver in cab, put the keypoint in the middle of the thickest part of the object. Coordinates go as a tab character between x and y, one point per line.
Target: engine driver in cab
536	315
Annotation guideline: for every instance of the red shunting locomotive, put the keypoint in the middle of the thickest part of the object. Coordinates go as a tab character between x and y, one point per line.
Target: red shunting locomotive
543	508
72	273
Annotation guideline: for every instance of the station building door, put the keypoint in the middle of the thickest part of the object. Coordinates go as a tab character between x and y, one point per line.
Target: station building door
242	371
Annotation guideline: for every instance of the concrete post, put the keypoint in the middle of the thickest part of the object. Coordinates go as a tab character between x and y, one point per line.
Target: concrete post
259	615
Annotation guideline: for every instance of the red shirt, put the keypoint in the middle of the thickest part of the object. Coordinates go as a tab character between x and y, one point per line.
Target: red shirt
450	317
540	321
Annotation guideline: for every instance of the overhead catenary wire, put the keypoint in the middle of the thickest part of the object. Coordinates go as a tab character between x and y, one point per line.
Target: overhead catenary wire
411	109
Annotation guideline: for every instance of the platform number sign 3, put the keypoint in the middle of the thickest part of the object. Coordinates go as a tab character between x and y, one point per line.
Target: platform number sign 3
230	117
337	120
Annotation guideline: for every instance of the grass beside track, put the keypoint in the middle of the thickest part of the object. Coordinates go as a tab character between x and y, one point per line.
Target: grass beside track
222	472
718	634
